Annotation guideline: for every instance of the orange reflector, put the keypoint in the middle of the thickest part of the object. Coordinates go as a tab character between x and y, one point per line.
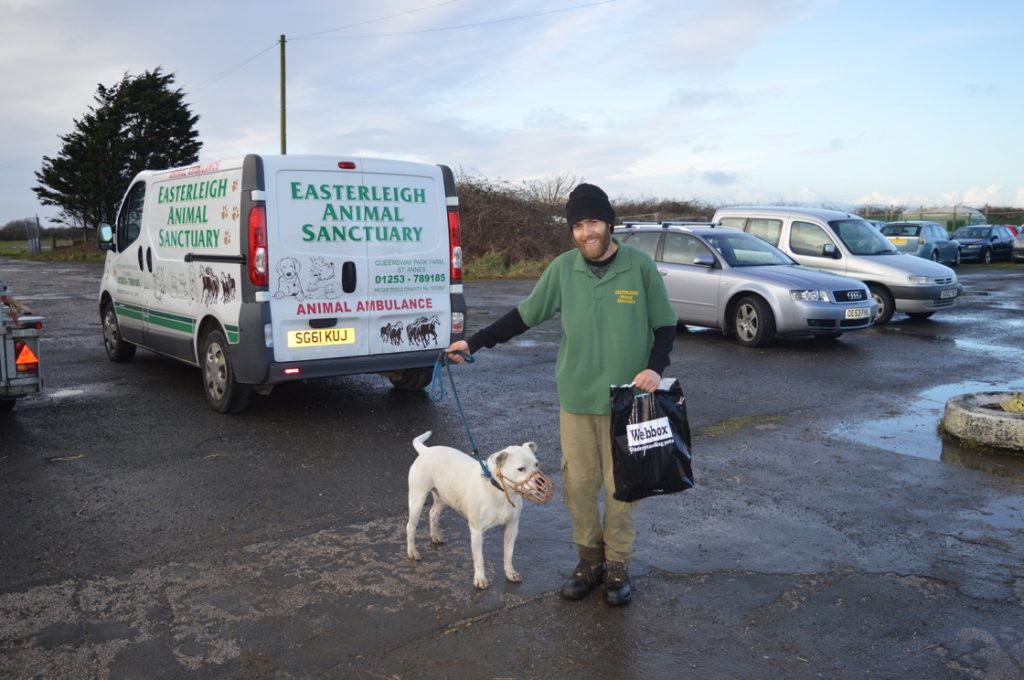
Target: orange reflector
26	360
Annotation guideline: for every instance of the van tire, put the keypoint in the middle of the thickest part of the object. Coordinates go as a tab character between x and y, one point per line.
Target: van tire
883	298
411	379
118	349
753	322
223	391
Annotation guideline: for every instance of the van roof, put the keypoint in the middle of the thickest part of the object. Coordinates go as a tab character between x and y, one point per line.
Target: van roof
820	213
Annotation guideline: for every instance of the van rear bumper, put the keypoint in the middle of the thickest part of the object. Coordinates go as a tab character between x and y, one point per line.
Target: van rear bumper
330	368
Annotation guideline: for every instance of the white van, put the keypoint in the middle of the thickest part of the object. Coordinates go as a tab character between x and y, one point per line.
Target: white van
845	244
264	269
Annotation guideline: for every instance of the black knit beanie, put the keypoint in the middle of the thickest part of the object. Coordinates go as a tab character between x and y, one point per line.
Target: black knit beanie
588	202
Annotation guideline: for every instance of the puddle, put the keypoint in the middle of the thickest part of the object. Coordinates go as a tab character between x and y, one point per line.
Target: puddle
917	433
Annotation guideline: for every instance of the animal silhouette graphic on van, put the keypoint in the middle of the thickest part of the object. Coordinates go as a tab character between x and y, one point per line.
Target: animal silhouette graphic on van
288	282
323	286
391	333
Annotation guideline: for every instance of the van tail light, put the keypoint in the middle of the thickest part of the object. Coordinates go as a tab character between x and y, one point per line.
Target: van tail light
455	243
25	360
258	274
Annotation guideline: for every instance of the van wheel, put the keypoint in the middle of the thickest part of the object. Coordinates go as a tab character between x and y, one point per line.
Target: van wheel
885	304
118	349
753	322
411	379
224	393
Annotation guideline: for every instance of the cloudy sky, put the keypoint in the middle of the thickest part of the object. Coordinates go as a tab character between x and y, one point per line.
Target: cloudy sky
844	102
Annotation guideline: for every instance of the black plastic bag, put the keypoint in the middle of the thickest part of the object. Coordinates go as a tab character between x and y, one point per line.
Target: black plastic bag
650	442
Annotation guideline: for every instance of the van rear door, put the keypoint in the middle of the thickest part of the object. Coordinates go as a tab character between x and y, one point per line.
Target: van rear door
359	257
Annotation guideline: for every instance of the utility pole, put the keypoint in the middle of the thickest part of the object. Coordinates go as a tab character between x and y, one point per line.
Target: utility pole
284	139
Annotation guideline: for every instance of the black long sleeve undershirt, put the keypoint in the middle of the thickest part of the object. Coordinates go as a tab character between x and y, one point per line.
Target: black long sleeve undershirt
511	324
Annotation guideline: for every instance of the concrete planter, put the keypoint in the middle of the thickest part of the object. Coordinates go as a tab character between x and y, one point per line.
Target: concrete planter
978	417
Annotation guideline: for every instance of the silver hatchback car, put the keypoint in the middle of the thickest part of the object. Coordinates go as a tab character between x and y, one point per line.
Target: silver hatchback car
731	280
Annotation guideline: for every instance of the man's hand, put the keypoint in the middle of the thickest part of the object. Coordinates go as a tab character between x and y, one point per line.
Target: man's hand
646	380
458	351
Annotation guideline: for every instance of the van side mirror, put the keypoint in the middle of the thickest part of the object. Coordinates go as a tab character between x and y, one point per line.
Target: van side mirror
106	237
830	250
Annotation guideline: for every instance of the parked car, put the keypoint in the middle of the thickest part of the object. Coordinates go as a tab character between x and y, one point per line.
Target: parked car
844	244
727	279
924	239
1014	229
984	242
1017	254
877	224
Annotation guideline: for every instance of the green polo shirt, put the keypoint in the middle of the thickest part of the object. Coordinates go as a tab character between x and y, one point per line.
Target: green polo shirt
607	323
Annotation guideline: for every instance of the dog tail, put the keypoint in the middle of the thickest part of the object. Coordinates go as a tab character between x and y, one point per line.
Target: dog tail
418	443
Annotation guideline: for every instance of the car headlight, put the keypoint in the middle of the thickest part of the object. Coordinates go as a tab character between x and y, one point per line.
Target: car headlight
920	280
809	295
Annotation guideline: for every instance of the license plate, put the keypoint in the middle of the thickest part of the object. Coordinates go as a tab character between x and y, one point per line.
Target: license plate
321	337
858	313
899	241
948	293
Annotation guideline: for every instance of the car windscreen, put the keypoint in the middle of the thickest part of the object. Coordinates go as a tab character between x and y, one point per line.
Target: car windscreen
743	250
901	229
973	232
861	239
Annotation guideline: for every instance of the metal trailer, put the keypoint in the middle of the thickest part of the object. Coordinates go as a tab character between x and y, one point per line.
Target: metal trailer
19	350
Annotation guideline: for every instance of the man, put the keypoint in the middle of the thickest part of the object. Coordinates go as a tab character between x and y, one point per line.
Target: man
617	328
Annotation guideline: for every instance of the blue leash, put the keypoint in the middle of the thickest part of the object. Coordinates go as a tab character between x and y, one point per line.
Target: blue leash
437	395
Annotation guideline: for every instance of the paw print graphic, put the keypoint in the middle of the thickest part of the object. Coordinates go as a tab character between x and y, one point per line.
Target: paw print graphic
234	185
224	213
227	237
235	212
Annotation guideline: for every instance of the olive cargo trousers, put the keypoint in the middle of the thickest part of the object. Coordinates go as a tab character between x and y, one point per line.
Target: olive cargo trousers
586	468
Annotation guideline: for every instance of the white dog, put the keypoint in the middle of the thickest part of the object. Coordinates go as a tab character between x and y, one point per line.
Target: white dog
456	479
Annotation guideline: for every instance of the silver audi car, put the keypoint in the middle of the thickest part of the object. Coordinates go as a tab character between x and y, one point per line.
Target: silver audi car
731	280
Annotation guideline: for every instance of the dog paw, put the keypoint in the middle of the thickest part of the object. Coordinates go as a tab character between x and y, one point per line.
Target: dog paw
513	576
437	540
480	582
414	555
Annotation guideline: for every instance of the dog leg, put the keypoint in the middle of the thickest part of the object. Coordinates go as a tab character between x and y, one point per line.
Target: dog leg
511	531
416	501
435	519
476	540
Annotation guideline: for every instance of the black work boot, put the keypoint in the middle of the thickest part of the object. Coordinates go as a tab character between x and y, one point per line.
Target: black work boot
585	576
617	589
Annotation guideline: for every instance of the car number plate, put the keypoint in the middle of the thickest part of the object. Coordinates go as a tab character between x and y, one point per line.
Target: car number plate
899	241
858	313
948	293
321	337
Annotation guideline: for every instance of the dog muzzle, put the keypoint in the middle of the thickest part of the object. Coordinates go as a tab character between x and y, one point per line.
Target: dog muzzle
538	487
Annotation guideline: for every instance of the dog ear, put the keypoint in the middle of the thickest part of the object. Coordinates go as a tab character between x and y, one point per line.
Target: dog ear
530	445
500	457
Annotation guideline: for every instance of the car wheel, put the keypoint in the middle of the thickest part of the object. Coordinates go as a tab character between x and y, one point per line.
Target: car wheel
956	260
223	391
118	349
753	322
935	255
920	316
883	298
412	379
986	256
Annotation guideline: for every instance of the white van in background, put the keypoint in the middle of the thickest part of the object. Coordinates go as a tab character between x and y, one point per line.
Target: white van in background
845	244
265	269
